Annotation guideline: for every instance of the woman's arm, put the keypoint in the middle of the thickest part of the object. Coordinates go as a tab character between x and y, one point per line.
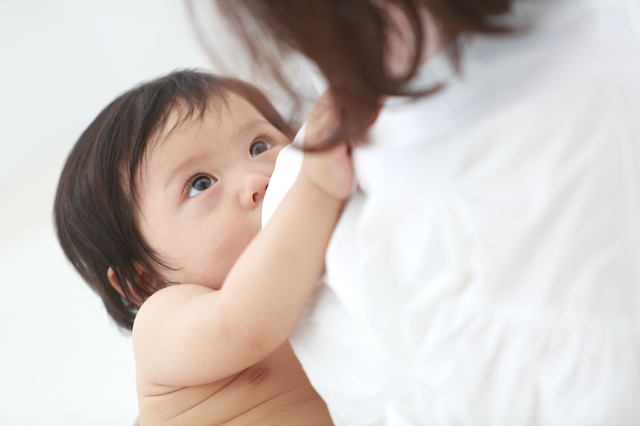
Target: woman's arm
187	335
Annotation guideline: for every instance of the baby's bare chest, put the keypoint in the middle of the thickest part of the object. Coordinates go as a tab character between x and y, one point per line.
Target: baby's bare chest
274	391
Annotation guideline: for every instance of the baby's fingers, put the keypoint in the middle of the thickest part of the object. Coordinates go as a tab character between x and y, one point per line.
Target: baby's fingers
331	170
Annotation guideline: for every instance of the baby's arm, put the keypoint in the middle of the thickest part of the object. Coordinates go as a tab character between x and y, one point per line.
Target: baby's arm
187	335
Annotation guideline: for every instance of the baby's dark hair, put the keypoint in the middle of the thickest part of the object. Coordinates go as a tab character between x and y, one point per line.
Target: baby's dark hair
96	197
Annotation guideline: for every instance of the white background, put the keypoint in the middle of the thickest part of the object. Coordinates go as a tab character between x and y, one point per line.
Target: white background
62	361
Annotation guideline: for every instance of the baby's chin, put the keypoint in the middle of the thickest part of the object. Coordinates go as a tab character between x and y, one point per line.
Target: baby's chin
212	278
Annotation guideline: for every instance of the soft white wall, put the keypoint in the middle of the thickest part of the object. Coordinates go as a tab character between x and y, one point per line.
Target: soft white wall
62	362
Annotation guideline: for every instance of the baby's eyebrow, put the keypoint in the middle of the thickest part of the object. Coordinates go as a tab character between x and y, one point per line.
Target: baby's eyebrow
187	163
252	124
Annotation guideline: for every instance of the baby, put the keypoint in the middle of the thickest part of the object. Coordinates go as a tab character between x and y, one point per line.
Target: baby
159	209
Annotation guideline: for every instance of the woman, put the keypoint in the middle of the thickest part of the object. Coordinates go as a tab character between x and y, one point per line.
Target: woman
487	269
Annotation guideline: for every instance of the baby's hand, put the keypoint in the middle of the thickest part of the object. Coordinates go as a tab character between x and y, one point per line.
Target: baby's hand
330	170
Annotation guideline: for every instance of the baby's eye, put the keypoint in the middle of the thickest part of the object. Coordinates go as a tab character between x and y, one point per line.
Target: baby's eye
199	184
258	147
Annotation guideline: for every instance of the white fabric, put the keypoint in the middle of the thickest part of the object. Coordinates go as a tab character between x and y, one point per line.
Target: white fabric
487	271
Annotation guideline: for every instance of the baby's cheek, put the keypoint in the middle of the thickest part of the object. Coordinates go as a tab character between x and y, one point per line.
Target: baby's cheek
155	239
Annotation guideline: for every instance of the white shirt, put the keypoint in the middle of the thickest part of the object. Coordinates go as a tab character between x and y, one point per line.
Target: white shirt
487	270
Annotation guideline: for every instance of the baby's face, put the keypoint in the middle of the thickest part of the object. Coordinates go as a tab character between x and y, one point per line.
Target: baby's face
201	191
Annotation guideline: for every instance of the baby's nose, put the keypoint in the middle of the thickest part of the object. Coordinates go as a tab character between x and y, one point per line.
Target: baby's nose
253	190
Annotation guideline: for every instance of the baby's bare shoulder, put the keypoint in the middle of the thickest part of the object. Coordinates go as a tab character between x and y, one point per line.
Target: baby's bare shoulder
162	315
167	300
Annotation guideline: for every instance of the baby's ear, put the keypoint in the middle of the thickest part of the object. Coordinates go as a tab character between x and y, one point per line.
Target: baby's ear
148	282
114	281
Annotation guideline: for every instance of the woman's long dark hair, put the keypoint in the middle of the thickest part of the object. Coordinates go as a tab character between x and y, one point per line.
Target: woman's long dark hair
347	40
